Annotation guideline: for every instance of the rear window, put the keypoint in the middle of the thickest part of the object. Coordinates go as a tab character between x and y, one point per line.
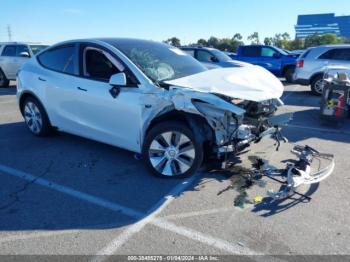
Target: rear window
251	51
189	52
61	59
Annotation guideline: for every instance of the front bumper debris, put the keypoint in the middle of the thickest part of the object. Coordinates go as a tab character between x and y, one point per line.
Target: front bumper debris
301	173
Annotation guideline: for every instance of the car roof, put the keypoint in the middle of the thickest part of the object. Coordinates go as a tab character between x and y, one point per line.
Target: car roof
198	47
21	43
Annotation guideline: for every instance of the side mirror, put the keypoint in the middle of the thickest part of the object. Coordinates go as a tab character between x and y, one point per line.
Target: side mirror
277	55
24	54
116	81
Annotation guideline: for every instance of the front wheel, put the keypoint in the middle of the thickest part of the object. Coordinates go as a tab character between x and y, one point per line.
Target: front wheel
36	117
171	150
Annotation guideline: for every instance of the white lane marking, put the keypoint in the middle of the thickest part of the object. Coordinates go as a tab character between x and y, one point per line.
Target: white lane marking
320	129
198	213
145	218
71	192
116	243
203	238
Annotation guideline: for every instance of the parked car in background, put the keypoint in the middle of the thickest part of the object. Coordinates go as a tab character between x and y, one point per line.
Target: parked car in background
277	61
149	98
211	57
314	62
12	57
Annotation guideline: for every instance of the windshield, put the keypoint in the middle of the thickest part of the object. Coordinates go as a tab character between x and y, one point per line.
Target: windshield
220	55
283	52
37	48
158	61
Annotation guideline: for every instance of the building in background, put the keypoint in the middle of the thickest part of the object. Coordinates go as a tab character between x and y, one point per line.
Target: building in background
322	24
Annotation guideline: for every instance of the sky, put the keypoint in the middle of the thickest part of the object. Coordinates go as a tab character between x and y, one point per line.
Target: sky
50	21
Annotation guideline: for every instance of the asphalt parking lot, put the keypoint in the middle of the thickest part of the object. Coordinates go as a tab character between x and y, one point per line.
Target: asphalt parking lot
68	195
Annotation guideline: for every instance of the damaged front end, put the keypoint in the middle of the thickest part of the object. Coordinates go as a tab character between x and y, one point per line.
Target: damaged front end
235	123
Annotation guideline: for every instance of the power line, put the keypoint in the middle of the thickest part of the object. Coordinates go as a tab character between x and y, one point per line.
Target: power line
9	32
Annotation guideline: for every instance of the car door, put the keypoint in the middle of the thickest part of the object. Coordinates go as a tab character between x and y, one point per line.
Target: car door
270	59
8	61
339	56
249	54
113	120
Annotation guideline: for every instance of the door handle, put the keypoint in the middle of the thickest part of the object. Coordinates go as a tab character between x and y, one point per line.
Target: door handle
42	79
81	89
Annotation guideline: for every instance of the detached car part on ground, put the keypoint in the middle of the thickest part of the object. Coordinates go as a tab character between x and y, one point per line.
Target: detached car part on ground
149	98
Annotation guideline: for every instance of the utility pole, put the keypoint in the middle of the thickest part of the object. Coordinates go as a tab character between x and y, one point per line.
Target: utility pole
9	33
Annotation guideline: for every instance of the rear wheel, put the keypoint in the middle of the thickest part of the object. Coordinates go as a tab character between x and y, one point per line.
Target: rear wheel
4	82
317	85
171	150
289	74
35	117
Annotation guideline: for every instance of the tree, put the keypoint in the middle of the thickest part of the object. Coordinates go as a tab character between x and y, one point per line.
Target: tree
254	38
237	37
213	41
174	41
268	41
329	39
202	42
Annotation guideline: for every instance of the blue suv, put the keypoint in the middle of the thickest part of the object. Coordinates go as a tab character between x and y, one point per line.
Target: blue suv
277	61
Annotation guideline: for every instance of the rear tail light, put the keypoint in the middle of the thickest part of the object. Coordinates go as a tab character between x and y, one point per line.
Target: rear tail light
300	63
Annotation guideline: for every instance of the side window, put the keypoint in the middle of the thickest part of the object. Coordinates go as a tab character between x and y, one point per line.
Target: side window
189	52
342	54
9	50
268	52
251	51
204	56
62	59
100	65
22	48
328	55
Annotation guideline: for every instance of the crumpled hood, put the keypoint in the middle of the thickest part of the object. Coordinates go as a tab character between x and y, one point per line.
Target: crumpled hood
252	83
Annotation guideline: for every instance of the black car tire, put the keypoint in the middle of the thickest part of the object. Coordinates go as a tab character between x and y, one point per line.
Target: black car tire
289	74
315	89
4	82
43	128
155	136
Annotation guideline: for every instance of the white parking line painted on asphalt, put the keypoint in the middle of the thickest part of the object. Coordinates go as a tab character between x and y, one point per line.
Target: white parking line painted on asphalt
199	213
116	243
145	218
71	192
203	238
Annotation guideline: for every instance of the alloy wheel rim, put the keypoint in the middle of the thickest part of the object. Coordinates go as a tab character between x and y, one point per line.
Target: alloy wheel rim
172	153
319	86
33	117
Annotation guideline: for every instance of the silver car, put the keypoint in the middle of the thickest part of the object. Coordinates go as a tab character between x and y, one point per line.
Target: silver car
314	62
12	56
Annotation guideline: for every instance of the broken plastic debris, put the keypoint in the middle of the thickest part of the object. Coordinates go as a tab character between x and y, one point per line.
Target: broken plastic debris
257	199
